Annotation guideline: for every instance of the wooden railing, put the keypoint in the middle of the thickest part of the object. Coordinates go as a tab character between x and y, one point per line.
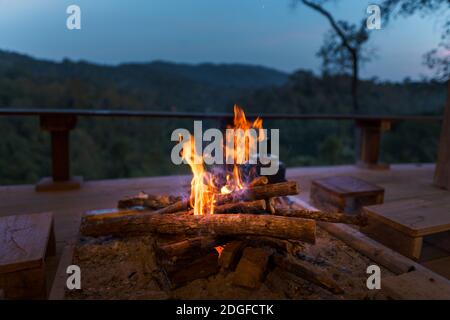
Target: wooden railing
59	123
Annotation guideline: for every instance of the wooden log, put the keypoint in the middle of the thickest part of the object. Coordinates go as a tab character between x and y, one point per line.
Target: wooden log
257	206
260	192
270	205
181	205
382	255
307	272
202	267
334	217
185	246
148	201
111	213
259	181
230	254
251	268
215	224
280	245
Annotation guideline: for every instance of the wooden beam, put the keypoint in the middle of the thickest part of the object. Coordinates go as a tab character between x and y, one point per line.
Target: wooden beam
59	127
442	173
370	141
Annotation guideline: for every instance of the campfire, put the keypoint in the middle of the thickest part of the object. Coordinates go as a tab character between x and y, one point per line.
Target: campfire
231	220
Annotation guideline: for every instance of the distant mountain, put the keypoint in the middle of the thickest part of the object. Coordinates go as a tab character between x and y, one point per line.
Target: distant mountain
234	75
155	85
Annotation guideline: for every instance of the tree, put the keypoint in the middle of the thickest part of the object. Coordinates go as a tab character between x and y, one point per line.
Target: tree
437	59
343	49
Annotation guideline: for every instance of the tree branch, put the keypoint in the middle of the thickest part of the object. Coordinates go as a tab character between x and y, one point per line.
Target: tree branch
333	24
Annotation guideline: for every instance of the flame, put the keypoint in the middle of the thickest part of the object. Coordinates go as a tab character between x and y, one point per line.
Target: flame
240	149
219	250
203	188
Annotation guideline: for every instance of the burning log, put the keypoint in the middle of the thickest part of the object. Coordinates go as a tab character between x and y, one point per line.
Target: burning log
260	192
259	181
307	272
257	206
215	224
181	205
270	205
334	217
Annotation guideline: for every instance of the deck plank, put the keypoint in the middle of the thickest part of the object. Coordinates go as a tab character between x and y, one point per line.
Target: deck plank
400	182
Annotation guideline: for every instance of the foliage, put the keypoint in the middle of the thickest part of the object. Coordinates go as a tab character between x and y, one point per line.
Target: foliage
118	148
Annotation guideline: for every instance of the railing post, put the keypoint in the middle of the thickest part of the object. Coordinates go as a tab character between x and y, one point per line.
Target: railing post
59	126
368	146
442	172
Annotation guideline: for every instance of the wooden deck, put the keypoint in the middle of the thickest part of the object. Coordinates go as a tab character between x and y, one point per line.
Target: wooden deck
400	182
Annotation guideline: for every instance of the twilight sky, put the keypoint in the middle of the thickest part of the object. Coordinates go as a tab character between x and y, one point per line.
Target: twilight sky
264	32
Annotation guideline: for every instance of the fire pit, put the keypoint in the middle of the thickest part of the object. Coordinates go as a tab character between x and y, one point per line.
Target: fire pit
232	235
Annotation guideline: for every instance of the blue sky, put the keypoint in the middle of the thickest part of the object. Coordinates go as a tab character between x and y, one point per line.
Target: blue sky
264	32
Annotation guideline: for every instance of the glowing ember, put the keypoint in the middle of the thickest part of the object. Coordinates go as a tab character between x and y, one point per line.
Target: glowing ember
219	250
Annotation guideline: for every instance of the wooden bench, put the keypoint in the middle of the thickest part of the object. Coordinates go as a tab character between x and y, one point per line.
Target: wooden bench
25	242
402	225
344	194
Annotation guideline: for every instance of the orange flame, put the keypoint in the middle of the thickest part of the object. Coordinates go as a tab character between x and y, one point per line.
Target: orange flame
219	250
203	188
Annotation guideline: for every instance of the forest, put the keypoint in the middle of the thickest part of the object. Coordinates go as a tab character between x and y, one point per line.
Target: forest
104	148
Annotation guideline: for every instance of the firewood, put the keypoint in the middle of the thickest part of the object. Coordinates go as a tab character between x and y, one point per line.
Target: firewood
257	206
202	267
251	267
230	254
335	217
185	246
260	192
307	272
280	245
211	224
259	181
270	205
111	213
181	205
148	201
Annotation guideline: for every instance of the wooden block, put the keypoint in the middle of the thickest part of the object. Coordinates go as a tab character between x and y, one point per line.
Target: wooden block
230	254
203	267
416	285
344	194
394	239
25	241
251	267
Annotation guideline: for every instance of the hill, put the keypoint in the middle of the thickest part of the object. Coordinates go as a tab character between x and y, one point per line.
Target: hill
109	148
